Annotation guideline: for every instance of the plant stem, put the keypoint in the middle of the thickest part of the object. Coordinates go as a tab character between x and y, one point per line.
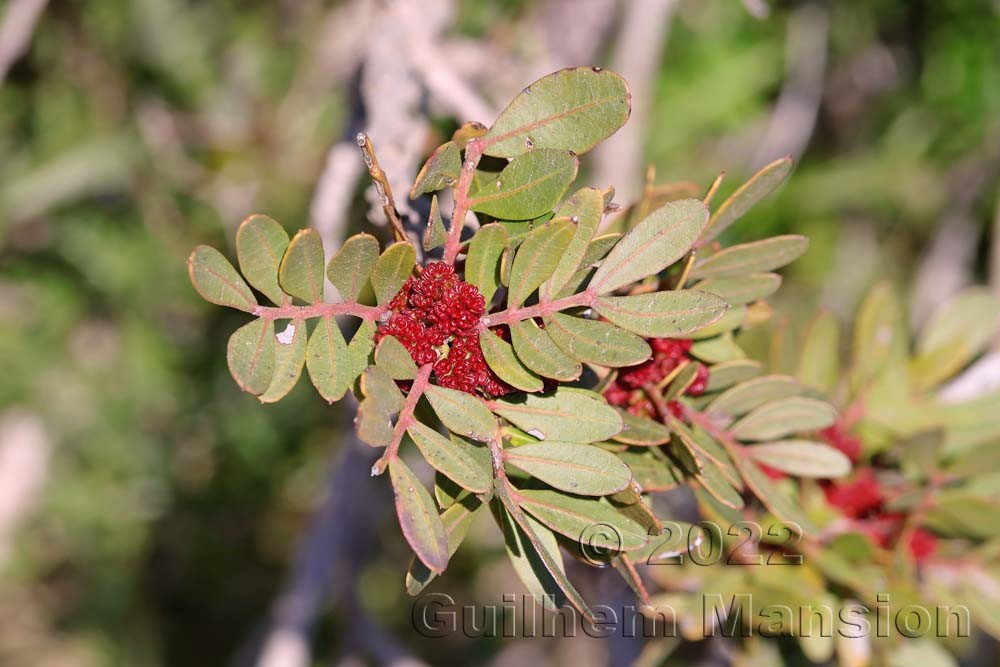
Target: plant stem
544	307
290	312
473	153
381	183
405	418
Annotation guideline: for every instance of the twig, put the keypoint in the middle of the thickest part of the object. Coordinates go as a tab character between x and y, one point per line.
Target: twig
323	309
542	308
382	187
19	22
405	419
473	153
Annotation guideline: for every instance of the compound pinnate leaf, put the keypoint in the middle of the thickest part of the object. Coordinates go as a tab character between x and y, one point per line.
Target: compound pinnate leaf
537	257
576	517
754	257
802	458
744	397
439	172
351	267
482	266
529	186
576	468
418	518
759	186
783	417
457	519
301	272
394	359
260	244
217	281
662	238
462	413
662	314
501	358
250	355
462	461
289	357
641	431
536	349
573	109
740	290
596	342
392	269
567	414
327	360
584	209
435	234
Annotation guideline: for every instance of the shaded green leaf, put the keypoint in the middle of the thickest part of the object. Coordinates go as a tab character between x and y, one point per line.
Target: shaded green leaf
754	257
301	272
576	517
439	172
573	415
394	359
482	266
457	519
418	518
528	564
352	266
250	354
537	257
392	269
641	431
802	458
435	235
501	359
536	349
289	357
572	109
596	342
652	470
756	188
662	238
662	314
575	468
783	417
327	360
260	244
462	461
529	186
217	281
462	413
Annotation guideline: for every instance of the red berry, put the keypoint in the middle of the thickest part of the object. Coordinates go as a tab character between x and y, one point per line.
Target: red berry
922	545
843	440
858	497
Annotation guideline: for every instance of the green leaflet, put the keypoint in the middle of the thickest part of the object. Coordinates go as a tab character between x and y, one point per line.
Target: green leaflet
596	342
289	357
662	314
773	498
392	269
576	468
756	188
740	290
482	266
818	363
728	373
641	431
457	519
529	565
567	414
572	109
754	257
536	349
217	281
584	209
435	234
802	458
352	266
394	359
537	257
782	417
418	518
529	186
462	413
327	360
301	272
501	358
439	172
662	238
465	463
751	394
576	518
250	354
260	244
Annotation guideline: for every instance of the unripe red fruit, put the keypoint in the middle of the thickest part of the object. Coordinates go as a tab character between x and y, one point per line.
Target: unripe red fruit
668	353
436	317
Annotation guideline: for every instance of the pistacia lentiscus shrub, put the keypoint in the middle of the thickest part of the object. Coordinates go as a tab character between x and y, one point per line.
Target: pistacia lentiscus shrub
558	359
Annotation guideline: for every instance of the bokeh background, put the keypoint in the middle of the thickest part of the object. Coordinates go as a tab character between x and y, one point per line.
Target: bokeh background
150	513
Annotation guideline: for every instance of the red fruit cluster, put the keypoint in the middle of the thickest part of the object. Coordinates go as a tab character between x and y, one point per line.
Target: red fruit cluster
436	317
863	500
668	353
839	437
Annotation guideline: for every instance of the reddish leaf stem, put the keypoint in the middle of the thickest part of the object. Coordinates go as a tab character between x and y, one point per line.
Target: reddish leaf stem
544	307
473	153
405	418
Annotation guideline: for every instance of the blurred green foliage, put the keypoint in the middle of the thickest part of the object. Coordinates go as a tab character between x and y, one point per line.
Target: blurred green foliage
133	130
